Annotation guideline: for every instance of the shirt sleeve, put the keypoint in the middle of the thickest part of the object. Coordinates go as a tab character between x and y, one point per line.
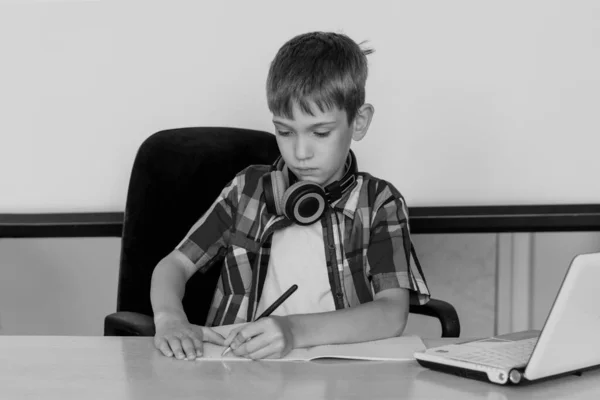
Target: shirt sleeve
208	238
391	255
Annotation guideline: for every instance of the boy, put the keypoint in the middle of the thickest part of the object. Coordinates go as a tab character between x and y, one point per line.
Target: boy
347	247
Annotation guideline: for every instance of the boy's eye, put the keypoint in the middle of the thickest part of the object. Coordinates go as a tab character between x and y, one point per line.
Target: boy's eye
322	134
284	133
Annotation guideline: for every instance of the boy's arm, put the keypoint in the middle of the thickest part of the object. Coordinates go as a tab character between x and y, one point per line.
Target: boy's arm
174	334
273	337
381	318
197	252
168	285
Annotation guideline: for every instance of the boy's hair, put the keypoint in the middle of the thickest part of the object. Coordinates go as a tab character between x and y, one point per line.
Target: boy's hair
324	68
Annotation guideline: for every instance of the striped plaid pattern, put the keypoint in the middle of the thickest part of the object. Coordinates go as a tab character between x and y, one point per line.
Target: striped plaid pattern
367	245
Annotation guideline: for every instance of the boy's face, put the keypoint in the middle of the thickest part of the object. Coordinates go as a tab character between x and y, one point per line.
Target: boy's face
315	147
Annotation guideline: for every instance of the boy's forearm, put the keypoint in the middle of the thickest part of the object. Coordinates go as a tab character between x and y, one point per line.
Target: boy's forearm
378	319
167	290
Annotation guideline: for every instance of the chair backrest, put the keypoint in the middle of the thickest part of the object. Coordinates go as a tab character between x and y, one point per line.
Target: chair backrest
176	176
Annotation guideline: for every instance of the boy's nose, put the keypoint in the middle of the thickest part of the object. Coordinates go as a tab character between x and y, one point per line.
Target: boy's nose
302	149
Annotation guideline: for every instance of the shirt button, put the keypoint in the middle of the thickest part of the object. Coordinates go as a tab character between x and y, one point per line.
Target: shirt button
339	295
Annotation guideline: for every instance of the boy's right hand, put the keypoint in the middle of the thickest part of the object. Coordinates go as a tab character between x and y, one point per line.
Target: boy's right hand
178	337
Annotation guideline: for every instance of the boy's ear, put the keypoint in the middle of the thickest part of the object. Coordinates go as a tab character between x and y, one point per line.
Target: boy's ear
362	120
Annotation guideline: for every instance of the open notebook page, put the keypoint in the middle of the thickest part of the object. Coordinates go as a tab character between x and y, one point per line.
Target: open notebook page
393	349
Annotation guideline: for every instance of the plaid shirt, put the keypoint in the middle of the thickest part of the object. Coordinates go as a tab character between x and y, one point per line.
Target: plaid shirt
371	220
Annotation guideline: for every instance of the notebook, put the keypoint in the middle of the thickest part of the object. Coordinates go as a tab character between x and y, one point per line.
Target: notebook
400	348
567	344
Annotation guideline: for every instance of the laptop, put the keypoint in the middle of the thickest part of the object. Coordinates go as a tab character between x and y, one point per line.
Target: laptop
569	342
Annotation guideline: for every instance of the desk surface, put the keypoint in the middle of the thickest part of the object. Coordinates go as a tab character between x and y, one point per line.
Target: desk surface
58	367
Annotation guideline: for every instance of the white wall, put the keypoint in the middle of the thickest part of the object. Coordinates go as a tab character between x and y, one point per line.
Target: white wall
476	102
57	286
460	269
556	250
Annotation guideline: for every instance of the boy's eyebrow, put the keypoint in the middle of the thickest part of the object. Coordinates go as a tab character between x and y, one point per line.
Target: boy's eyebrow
316	125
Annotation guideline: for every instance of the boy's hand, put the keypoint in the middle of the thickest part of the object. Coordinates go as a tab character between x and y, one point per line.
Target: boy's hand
269	337
178	337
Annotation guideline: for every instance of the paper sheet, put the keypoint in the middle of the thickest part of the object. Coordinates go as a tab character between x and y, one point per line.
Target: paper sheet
399	348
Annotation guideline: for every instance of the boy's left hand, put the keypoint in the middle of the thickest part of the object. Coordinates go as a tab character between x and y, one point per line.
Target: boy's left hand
269	337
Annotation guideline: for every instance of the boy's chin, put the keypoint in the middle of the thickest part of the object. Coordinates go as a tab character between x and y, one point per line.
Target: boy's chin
319	181
312	179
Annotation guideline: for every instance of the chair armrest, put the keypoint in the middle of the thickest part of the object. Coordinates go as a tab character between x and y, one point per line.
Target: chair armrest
443	311
126	323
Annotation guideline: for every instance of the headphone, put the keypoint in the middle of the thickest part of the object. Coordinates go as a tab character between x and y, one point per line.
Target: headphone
304	202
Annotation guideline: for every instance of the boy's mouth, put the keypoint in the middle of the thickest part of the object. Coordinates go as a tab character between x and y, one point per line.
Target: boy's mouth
305	171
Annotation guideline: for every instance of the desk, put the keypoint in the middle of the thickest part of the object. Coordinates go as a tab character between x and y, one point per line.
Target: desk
114	368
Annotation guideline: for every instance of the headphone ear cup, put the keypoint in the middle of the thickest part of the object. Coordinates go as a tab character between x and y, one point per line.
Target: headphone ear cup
274	189
304	202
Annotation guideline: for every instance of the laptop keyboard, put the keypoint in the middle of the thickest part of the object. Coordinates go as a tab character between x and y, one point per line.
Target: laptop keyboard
506	355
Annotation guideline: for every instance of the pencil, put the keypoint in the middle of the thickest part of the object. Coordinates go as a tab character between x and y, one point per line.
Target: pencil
270	309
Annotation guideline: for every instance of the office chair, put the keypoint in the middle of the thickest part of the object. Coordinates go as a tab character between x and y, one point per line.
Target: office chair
176	176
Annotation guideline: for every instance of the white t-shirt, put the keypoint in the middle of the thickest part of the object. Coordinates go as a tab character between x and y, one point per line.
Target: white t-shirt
297	257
